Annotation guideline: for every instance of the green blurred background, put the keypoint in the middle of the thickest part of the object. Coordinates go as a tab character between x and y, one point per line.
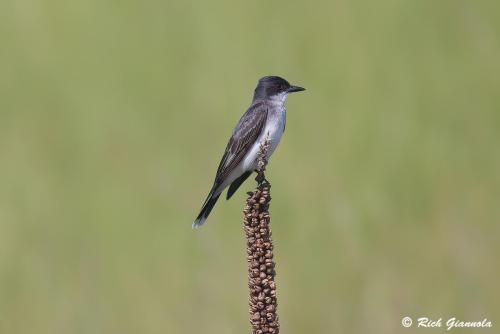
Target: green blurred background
386	186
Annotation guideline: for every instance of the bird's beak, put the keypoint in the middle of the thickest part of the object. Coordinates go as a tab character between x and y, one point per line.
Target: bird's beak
294	89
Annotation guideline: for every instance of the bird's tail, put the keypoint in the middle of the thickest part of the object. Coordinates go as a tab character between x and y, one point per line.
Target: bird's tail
206	209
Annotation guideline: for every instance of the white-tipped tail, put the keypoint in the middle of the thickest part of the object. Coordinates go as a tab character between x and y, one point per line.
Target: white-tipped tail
198	222
205	210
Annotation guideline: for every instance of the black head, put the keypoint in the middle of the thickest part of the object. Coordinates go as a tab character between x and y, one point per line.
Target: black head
271	85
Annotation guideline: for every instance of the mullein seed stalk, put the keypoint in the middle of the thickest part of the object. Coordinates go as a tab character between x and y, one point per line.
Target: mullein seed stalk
261	265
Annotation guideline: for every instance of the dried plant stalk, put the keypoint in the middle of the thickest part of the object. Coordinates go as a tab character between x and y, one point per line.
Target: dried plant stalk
261	273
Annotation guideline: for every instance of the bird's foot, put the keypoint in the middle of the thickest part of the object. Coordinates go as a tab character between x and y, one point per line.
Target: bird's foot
261	178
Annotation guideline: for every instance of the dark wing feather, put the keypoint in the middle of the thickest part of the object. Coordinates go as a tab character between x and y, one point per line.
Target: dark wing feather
244	135
237	183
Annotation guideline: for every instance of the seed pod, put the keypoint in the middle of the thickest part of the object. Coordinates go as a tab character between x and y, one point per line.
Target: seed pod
270	308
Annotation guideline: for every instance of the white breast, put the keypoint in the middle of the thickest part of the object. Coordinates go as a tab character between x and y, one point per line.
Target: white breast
275	125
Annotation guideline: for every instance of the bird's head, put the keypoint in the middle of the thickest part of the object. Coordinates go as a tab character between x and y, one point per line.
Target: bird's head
273	87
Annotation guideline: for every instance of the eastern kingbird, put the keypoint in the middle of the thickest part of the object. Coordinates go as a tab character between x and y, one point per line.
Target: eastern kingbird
264	119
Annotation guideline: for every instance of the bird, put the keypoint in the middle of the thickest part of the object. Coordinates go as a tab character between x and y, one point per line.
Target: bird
264	119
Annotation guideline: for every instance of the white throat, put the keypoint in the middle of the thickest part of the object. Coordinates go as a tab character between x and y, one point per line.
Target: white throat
279	98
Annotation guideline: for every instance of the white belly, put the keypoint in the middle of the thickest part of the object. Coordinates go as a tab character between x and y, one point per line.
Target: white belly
273	131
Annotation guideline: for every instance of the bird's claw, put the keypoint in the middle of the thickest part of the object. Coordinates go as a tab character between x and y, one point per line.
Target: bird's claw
260	178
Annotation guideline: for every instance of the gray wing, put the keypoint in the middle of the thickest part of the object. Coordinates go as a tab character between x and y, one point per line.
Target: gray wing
245	134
